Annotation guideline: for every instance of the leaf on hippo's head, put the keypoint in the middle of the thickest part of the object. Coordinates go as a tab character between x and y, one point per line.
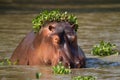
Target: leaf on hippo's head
50	16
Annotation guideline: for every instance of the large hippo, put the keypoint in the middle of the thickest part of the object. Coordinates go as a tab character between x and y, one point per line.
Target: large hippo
55	42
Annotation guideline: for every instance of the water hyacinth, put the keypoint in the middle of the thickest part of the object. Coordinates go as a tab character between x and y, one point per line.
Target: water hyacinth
104	49
54	15
38	75
60	69
84	78
7	62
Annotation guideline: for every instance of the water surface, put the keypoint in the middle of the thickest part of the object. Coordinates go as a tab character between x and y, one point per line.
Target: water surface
93	27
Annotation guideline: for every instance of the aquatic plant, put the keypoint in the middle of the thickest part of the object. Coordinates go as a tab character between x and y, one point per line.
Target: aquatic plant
6	61
54	15
84	78
38	75
60	69
104	49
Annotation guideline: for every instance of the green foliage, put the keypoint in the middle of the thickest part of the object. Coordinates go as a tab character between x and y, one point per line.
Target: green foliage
104	49
54	15
84	78
60	69
7	62
38	75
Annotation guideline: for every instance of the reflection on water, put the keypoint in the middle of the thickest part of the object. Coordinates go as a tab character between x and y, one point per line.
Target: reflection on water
93	27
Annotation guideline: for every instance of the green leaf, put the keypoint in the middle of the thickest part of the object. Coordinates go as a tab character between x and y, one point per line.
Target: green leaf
60	69
104	49
84	78
38	75
54	15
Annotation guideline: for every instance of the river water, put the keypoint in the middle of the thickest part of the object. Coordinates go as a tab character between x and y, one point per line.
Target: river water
93	27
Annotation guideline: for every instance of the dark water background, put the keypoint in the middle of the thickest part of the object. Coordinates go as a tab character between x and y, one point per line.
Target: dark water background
96	22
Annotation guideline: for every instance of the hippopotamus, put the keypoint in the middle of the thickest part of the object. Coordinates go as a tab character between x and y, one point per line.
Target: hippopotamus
55	42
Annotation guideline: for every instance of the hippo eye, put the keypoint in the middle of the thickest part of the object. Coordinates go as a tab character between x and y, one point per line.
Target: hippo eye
51	28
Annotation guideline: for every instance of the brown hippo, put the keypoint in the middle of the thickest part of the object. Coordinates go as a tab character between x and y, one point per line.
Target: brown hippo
55	42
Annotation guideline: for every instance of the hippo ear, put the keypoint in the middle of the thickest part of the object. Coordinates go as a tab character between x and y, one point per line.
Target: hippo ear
51	28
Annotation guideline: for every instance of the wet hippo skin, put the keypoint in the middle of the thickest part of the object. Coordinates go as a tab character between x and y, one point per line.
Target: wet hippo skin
55	42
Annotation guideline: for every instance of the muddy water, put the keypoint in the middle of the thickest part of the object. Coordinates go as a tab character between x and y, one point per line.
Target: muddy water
93	27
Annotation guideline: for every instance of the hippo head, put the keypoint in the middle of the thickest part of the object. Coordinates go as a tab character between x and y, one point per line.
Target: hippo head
57	41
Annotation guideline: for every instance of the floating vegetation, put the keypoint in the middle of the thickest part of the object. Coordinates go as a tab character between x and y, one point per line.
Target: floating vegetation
38	75
51	16
60	69
84	78
7	62
104	49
